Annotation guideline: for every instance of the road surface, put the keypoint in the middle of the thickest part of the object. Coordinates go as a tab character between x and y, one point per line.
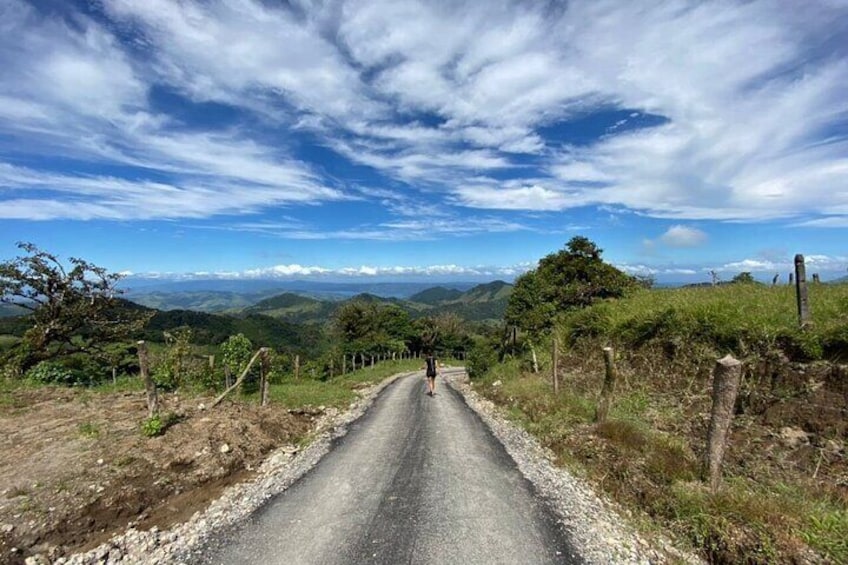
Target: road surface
416	480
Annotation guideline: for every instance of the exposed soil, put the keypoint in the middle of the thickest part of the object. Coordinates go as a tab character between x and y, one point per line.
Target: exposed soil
76	468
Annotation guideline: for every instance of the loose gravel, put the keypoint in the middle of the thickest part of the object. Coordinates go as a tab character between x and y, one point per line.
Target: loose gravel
597	529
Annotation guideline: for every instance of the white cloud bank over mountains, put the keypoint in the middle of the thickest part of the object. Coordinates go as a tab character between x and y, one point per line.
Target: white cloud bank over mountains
440	97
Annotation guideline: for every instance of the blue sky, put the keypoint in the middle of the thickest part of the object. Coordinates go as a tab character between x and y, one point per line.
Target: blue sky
407	140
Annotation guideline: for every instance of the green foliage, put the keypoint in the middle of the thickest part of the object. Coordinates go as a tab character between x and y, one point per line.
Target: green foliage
72	309
371	328
48	372
158	424
570	279
88	429
236	353
153	426
743	278
741	319
481	358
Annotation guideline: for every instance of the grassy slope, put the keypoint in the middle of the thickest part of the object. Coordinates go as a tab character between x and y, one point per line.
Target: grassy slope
778	503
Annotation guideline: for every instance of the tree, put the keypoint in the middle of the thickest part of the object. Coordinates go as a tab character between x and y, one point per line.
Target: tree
574	277
743	278
73	309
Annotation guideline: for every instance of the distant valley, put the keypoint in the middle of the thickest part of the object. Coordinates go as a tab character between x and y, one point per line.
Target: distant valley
316	302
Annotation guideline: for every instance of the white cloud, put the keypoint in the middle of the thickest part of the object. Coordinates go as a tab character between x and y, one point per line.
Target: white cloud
435	95
363	271
683	236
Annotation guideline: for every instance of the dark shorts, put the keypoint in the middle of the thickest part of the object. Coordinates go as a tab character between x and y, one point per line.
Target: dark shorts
429	376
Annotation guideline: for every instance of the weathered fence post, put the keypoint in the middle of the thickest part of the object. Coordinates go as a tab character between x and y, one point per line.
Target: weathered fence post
149	385
297	367
555	364
264	373
344	363
331	368
212	362
609	386
801	291
727	374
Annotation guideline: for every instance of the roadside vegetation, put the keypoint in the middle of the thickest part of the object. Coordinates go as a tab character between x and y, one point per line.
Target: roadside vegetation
784	494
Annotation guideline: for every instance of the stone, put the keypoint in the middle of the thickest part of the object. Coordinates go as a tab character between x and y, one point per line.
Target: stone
225	448
7	528
794	437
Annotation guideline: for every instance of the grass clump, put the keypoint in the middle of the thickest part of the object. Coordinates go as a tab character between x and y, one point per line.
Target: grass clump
88	429
339	391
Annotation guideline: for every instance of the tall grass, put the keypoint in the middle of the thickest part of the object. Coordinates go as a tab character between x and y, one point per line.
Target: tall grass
742	319
647	455
337	392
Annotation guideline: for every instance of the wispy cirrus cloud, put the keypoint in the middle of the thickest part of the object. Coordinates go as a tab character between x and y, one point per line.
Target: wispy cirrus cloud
476	104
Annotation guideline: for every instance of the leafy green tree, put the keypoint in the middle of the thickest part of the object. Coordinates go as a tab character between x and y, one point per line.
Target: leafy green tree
72	310
743	278
574	277
236	352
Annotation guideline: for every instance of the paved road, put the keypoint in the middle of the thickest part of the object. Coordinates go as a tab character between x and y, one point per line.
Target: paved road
416	480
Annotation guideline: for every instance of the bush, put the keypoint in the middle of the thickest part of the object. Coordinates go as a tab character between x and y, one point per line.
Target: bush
48	372
480	359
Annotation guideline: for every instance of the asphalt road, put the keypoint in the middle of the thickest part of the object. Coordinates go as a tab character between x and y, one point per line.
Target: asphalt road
416	480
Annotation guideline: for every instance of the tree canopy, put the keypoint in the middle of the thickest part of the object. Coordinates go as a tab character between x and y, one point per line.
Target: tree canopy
73	309
573	277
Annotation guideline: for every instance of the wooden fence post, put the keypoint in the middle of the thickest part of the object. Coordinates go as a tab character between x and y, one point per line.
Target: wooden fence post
212	362
344	363
554	364
264	373
149	385
610	377
727	374
801	291
331	368
296	367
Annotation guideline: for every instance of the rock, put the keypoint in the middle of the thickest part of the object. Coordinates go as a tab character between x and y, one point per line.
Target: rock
201	407
794	437
497	383
225	448
834	446
7	528
100	462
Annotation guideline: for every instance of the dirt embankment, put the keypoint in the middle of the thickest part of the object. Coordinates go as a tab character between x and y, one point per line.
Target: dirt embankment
76	468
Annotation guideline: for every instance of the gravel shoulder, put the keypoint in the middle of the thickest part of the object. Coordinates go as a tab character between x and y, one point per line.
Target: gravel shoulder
596	529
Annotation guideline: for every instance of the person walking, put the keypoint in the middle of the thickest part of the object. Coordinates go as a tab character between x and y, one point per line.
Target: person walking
431	369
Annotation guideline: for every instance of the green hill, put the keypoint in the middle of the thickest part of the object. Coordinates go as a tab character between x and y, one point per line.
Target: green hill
201	301
436	295
490	292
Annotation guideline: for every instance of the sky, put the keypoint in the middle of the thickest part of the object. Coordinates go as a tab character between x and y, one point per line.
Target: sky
401	140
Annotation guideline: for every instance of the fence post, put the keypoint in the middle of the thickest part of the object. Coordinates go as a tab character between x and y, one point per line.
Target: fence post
801	291
212	362
297	367
609	386
344	363
149	385
264	372
727	374
331	368
555	364
372	361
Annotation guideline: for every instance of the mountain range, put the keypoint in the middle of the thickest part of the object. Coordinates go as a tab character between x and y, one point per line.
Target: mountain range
317	301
